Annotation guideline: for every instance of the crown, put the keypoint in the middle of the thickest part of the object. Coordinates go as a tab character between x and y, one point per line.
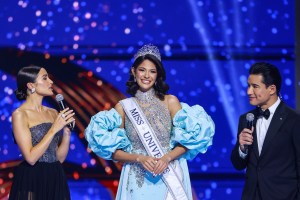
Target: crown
148	49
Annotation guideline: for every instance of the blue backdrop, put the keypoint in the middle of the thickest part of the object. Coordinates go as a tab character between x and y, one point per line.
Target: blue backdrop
207	48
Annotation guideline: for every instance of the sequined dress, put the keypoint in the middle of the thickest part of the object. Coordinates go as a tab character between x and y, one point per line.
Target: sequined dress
105	136
46	178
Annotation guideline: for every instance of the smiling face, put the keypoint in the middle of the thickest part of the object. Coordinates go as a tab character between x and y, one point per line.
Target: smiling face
145	74
43	84
259	94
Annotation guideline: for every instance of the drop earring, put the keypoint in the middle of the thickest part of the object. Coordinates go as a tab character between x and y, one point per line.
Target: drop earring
32	90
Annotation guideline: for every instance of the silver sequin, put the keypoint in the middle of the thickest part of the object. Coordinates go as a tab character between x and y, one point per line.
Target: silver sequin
37	134
159	118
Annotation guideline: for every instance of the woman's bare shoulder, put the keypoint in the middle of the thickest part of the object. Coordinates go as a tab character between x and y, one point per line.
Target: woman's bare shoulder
172	100
173	104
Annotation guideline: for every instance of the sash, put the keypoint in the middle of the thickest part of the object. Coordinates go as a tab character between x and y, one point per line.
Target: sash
153	147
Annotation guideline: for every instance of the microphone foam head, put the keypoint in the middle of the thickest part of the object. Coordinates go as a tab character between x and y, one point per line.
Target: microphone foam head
59	97
250	117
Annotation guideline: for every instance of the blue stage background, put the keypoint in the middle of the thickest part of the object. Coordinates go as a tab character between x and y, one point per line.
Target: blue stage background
207	48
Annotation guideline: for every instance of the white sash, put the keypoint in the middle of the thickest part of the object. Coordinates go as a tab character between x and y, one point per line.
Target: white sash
154	148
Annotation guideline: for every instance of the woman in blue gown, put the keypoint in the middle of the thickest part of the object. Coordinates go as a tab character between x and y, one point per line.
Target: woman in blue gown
182	131
37	132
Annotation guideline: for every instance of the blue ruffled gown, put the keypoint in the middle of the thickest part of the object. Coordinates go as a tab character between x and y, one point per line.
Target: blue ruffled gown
190	127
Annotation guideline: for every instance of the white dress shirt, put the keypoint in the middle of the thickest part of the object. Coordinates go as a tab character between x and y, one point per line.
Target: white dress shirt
262	125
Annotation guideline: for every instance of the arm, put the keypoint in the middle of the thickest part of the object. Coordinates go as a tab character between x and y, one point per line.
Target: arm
173	106
147	162
121	112
244	136
23	138
63	148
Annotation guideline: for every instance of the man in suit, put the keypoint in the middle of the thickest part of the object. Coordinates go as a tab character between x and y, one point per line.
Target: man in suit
270	150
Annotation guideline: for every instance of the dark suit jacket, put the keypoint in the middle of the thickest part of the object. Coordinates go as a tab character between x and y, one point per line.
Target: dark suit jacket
275	172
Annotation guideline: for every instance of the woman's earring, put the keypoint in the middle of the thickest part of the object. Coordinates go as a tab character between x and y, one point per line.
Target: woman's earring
32	90
134	79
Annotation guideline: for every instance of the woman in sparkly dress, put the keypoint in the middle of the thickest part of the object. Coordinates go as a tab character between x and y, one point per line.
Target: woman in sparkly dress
180	131
43	139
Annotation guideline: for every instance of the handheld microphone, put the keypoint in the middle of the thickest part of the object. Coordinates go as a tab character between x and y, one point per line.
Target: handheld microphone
250	119
60	100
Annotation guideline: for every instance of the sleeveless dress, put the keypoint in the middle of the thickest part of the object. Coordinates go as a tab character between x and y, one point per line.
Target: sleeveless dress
45	180
191	127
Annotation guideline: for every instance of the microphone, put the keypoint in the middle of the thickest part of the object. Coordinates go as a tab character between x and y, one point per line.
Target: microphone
60	100
250	119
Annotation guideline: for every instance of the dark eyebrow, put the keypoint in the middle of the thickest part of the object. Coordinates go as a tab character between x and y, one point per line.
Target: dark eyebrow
142	67
254	84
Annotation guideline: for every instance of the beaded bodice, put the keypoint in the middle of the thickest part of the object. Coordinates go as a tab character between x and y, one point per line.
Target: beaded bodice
37	134
158	116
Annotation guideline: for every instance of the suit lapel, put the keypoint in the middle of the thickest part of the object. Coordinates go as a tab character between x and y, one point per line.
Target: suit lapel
276	122
255	145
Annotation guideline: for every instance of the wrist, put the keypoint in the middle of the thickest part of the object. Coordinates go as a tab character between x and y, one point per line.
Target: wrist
242	147
67	134
137	159
51	132
169	159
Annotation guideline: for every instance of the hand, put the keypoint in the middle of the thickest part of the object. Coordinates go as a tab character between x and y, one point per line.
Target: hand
162	164
63	118
245	137
147	162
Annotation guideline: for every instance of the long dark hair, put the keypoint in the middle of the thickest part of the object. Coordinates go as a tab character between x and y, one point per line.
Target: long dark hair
160	86
25	75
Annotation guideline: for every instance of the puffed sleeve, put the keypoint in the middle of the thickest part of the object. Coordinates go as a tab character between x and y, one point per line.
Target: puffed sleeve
104	135
192	128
